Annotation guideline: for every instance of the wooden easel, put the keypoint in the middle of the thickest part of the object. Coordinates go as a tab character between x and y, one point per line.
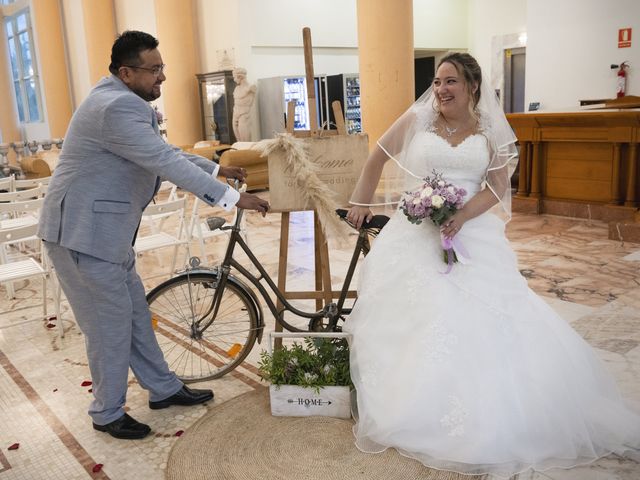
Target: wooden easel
323	291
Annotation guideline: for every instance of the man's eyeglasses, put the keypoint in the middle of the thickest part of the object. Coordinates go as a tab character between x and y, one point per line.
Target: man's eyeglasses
156	71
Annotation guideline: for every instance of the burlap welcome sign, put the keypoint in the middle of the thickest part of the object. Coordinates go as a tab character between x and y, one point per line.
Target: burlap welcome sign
337	161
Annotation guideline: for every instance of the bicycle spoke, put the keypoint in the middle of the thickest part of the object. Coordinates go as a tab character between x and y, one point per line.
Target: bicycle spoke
217	344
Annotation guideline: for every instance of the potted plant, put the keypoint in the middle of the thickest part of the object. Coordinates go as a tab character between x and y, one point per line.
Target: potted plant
309	378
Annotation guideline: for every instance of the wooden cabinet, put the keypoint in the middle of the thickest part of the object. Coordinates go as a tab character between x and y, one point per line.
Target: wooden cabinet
216	105
582	164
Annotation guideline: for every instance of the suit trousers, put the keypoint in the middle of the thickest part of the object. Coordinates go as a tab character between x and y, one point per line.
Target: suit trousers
109	304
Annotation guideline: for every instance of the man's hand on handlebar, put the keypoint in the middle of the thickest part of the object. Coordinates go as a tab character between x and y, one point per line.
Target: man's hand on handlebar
357	215
250	201
230	171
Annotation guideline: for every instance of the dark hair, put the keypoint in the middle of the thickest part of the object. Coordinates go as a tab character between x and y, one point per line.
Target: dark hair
127	47
468	67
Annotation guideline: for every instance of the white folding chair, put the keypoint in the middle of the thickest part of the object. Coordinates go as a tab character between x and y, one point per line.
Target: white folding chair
167	192
20	195
31	183
28	267
163	239
20	213
6	183
168	188
16	215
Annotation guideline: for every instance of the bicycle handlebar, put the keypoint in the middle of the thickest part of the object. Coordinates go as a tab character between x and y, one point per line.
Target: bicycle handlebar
378	221
235	183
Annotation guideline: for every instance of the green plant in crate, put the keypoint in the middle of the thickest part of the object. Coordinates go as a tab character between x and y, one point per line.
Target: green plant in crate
319	362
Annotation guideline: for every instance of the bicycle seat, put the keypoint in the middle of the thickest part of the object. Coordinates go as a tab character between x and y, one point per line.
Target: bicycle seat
376	223
215	223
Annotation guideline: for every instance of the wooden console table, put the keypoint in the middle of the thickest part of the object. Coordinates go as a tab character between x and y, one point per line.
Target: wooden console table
581	164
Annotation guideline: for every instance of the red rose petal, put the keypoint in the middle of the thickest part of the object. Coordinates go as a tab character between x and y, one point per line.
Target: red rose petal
179	433
55	389
90	390
15	446
86	383
51	325
97	467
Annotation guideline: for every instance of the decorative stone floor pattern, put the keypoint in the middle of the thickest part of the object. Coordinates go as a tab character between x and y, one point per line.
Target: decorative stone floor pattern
591	281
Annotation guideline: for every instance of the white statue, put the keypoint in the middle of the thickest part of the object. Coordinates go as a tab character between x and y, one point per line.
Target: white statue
243	97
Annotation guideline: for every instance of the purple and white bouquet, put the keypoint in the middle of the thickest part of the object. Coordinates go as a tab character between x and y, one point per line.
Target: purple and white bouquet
436	200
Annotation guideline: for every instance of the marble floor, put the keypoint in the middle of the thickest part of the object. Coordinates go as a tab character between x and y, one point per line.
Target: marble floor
593	282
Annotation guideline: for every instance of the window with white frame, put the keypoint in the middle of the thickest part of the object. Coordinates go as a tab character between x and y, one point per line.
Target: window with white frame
24	68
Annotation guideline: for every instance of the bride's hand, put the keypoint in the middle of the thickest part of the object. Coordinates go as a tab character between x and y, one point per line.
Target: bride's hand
357	215
452	226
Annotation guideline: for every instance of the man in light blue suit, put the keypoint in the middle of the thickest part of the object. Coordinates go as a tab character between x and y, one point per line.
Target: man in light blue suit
109	170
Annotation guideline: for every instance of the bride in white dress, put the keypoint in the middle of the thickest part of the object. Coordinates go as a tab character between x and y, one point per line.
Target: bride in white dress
468	371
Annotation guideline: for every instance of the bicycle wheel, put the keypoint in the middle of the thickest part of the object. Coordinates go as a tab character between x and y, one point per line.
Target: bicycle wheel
180	314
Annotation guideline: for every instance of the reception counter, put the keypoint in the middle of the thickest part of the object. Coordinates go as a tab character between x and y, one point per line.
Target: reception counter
581	164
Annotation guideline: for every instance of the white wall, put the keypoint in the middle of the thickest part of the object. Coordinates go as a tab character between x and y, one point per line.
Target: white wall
138	15
266	37
217	31
439	25
494	25
273	61
333	23
569	52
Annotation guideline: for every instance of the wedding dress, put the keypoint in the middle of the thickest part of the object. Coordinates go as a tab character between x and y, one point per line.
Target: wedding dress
471	371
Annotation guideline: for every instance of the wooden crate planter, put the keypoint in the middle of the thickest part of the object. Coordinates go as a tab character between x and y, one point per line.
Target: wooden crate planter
299	401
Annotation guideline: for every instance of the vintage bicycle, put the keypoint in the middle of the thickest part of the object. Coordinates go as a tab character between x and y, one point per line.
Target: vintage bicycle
207	320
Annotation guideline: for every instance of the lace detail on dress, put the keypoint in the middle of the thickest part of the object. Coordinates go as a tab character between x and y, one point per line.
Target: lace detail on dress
437	343
456	417
464	164
416	282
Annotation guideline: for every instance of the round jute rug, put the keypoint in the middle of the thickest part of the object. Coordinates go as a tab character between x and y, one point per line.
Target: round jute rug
241	440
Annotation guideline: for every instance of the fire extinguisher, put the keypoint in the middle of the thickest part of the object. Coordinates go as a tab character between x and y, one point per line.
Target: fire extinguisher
622	78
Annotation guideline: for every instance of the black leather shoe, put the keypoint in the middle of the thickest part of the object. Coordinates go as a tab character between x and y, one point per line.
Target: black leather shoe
185	396
125	427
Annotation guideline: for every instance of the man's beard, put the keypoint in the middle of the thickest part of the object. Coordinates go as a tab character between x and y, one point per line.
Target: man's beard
149	96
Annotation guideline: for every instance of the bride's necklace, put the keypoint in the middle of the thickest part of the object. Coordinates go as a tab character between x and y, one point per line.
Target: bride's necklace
450	131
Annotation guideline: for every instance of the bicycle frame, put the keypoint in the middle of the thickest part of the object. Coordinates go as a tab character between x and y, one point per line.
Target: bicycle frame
332	311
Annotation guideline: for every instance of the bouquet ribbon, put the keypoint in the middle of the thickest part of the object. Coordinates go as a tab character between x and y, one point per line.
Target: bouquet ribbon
452	245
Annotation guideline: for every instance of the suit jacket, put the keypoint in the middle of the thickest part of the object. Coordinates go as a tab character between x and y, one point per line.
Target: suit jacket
109	170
